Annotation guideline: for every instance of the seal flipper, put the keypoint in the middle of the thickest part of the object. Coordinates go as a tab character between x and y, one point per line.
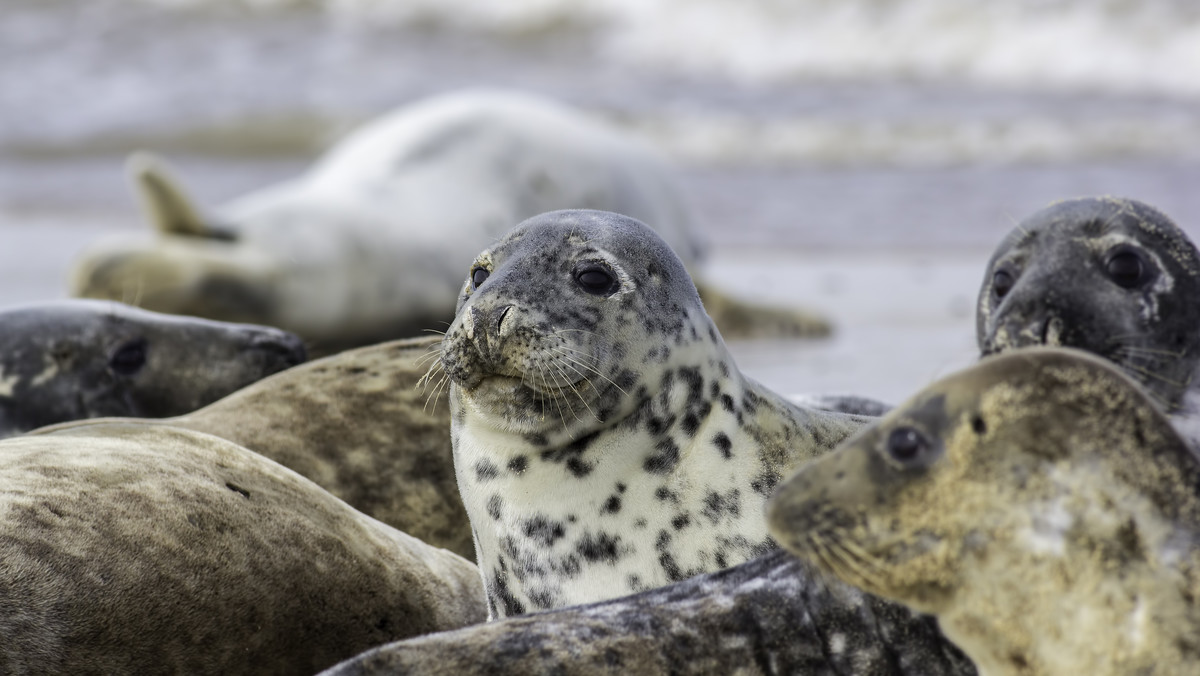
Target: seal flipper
737	319
164	202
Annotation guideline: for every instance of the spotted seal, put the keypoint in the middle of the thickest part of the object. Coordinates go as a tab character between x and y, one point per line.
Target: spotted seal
1039	504
142	548
604	440
368	245
66	360
770	615
1115	277
362	426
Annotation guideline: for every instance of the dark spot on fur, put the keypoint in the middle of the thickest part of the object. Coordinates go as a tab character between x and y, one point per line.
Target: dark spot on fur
665	458
499	589
493	507
765	482
612	505
663	493
680	522
620	487
640	523
723	444
690	424
600	547
727	402
543	531
518	464
716	505
485	471
579	468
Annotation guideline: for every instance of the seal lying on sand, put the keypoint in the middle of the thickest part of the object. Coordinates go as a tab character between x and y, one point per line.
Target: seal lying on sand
1115	277
139	548
67	360
604	440
1038	504
357	424
767	616
369	245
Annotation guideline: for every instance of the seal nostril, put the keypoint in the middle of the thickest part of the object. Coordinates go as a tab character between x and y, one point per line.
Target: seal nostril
500	315
288	349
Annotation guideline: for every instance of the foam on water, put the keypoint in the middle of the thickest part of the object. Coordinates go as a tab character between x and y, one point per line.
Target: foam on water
1089	45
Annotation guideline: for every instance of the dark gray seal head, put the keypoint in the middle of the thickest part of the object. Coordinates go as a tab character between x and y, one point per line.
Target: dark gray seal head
1114	277
69	360
604	440
1039	504
770	615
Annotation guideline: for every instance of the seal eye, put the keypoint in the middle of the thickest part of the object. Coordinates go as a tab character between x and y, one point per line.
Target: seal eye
478	276
129	358
906	444
1126	269
596	280
1002	283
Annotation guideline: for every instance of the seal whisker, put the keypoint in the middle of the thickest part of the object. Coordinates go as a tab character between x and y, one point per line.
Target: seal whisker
1156	376
593	370
576	390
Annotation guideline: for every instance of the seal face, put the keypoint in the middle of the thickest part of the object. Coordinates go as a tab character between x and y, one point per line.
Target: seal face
70	360
604	441
1038	503
1115	277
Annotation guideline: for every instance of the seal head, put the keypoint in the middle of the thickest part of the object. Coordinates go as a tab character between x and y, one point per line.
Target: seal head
604	440
1115	277
77	359
1034	491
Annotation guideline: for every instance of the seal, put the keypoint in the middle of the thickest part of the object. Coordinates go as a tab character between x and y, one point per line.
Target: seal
369	244
360	425
139	548
770	615
604	440
1115	277
75	359
1039	504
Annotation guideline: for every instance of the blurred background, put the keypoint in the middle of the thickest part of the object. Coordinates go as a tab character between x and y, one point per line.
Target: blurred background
858	157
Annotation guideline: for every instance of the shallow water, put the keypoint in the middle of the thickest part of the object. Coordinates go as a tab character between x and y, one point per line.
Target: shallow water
861	158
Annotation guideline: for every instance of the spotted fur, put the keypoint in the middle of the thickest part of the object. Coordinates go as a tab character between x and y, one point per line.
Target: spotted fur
605	443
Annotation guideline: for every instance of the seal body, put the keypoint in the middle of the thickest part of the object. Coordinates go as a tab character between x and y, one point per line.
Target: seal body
1039	504
133	548
369	244
770	615
68	360
604	441
361	425
1115	277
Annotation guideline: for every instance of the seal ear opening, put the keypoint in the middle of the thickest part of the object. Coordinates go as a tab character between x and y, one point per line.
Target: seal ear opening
164	203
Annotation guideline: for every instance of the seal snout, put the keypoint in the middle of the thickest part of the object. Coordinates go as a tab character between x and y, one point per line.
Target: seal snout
283	350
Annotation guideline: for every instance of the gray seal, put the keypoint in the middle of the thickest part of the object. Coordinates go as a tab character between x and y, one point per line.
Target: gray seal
363	426
1038	504
68	360
770	615
604	440
1115	277
368	245
141	548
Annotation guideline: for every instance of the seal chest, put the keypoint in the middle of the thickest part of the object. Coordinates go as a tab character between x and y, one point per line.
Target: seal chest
604	441
1038	504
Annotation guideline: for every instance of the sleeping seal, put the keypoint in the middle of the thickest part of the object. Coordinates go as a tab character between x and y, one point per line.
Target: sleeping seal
369	244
